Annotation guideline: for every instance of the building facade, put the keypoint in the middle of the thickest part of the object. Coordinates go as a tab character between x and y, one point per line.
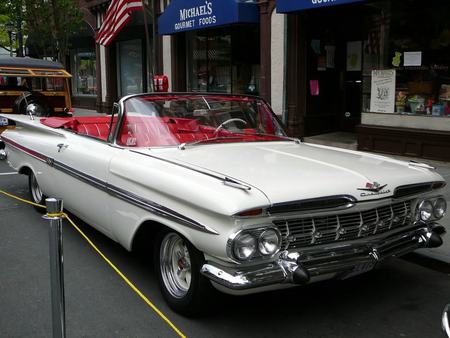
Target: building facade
377	68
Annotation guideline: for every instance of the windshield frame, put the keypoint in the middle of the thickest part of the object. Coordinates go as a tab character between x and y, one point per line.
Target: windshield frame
121	114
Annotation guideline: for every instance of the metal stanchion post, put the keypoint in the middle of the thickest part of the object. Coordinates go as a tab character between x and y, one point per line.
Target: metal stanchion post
55	207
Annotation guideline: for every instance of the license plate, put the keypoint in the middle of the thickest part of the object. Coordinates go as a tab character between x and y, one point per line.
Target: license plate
3	121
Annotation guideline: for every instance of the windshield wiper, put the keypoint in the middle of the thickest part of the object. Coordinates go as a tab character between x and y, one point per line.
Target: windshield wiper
182	146
287	138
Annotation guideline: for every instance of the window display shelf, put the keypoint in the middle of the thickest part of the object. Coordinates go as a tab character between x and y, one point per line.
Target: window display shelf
424	122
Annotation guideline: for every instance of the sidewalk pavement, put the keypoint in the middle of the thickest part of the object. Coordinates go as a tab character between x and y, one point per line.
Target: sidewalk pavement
84	112
348	141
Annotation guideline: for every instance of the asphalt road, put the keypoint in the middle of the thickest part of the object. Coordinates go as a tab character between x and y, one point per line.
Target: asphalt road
400	299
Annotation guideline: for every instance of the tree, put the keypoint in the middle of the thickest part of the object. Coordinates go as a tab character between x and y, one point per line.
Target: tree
11	13
47	24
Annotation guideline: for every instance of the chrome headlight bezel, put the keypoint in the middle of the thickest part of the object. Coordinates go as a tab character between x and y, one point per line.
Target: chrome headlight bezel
257	234
431	209
425	210
439	208
253	248
265	234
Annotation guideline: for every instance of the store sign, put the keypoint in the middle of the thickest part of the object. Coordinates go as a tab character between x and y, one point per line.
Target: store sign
185	15
285	6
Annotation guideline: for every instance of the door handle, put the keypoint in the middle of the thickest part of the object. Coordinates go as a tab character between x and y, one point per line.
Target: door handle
62	146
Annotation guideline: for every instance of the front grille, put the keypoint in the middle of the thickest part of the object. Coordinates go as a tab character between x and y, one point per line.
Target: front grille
304	232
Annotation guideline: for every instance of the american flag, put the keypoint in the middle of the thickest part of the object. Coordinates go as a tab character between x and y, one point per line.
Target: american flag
117	16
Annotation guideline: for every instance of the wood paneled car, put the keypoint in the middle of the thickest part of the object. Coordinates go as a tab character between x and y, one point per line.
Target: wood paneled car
27	83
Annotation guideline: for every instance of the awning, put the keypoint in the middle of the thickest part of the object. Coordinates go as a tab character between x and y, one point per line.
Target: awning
286	6
186	15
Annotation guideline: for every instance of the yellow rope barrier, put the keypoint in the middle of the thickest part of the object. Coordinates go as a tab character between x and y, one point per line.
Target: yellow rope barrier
111	264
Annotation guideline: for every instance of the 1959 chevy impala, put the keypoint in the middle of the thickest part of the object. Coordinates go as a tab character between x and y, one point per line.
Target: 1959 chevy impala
212	183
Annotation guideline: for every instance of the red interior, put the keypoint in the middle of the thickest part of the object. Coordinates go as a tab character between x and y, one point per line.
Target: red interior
138	131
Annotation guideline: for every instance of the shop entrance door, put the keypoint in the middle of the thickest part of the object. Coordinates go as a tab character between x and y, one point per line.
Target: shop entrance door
334	69
350	116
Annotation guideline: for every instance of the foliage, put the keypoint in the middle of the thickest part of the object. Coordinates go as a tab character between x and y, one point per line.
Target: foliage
48	24
9	13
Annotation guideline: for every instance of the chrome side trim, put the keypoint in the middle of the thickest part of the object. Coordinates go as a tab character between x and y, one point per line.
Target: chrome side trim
80	175
157	209
226	180
232	183
421	165
114	191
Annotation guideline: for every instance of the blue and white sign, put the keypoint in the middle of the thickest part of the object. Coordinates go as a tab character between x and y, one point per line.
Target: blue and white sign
185	15
3	121
286	6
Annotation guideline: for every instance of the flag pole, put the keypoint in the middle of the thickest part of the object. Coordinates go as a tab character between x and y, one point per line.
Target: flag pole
151	68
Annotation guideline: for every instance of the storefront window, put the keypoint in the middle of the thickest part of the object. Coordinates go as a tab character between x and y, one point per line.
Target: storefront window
217	61
407	59
83	72
129	63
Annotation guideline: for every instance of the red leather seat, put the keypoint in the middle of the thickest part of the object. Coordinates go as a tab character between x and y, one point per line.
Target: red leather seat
97	127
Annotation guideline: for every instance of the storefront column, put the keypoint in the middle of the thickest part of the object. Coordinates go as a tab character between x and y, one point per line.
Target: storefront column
266	8
110	83
178	54
296	74
158	44
98	78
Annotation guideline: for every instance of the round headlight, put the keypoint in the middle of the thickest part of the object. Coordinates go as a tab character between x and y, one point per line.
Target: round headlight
269	242
440	207
244	246
425	210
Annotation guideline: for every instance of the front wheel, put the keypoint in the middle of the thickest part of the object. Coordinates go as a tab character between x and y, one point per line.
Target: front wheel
35	192
178	265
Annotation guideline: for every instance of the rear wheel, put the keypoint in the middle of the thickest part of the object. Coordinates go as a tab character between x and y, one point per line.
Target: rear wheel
36	192
178	265
34	99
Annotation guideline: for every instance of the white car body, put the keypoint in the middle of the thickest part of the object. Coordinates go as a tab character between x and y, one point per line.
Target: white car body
198	191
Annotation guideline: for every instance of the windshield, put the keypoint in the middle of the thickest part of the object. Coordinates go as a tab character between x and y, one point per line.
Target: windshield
170	120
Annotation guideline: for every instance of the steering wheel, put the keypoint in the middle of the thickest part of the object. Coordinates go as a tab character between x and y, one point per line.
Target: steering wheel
228	121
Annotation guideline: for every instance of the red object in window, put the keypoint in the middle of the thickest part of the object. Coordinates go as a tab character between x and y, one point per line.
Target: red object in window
160	83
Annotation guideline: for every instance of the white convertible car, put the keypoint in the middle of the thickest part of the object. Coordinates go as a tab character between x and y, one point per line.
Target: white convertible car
212	183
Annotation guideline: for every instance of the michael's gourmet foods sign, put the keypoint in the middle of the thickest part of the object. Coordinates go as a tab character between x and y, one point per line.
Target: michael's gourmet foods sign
185	15
196	16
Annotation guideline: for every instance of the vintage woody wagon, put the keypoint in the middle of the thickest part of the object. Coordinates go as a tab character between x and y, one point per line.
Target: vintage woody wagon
39	85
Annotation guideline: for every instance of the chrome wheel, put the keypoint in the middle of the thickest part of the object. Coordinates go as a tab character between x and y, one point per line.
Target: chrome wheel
36	191
175	265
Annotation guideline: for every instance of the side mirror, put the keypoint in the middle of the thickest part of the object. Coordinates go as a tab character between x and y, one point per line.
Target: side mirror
32	110
445	321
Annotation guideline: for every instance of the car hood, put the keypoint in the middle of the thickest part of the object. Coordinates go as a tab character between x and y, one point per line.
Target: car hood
288	171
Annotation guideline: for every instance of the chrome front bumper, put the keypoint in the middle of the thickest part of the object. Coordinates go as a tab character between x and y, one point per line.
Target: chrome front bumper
340	260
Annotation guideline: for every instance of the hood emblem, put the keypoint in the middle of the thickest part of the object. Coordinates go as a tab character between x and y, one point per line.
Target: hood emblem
375	187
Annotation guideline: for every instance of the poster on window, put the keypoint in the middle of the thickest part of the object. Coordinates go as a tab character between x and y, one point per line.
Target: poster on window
382	98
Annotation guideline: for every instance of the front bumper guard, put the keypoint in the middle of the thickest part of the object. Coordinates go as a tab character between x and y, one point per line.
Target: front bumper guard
340	260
